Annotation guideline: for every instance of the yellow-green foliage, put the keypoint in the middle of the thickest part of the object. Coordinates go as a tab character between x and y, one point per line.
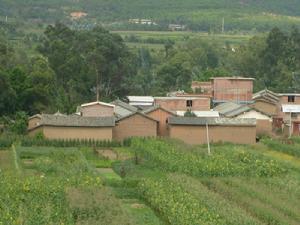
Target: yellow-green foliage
177	206
229	160
34	201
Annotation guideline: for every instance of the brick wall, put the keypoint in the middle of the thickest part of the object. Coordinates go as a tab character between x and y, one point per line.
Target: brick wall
263	127
97	111
232	90
197	134
180	104
96	133
134	126
161	116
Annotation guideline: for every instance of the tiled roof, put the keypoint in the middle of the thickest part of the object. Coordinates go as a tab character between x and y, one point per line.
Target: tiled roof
227	107
232	78
198	121
76	121
97	103
155	107
124	105
266	95
135	113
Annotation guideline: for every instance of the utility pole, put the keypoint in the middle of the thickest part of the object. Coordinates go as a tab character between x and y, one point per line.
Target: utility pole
207	139
290	130
223	25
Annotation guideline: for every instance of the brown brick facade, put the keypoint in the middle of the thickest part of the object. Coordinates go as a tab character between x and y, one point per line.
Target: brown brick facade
265	107
162	116
197	134
232	89
52	132
97	110
135	126
264	127
180	103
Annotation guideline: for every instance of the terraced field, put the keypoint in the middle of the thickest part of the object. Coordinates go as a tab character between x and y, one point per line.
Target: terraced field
152	182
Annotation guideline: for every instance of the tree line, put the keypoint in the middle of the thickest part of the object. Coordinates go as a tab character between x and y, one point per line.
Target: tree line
67	65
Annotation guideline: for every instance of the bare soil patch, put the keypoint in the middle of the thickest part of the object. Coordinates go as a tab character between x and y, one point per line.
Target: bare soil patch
108	154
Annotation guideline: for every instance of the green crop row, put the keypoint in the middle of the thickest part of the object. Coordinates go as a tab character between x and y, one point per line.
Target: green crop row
175	205
292	148
34	201
267	207
226	161
231	213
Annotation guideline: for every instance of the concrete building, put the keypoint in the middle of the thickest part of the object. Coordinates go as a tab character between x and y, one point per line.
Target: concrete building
71	127
193	130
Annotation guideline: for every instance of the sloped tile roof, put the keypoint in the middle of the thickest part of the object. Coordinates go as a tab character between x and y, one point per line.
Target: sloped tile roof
266	95
198	121
76	121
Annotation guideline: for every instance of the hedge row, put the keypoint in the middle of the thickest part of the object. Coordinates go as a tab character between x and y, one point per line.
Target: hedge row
30	142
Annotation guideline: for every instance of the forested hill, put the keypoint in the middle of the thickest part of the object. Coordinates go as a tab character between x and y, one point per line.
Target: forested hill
195	14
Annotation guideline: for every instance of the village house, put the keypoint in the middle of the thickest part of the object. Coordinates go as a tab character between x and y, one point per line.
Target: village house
71	127
77	15
140	102
96	109
123	109
162	116
135	125
202	87
232	89
266	101
183	103
226	89
176	27
194	130
284	108
234	110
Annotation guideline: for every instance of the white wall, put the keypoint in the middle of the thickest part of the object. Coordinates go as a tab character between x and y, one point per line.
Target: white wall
255	114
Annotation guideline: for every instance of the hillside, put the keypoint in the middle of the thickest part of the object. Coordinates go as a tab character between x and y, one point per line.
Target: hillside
196	15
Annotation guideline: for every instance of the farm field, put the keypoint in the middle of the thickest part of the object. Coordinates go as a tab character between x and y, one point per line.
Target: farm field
151	38
148	181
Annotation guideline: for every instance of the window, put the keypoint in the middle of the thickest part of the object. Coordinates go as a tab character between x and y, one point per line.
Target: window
291	98
189	103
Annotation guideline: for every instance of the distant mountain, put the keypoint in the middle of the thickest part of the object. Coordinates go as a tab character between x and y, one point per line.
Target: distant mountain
196	14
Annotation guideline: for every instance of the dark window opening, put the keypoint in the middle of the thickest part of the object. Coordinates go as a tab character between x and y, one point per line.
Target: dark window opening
189	103
291	98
